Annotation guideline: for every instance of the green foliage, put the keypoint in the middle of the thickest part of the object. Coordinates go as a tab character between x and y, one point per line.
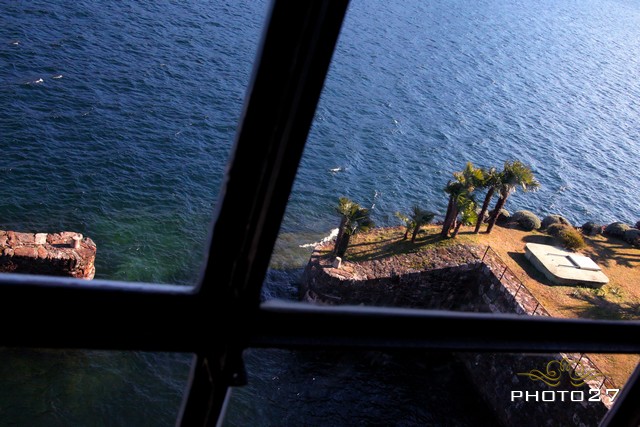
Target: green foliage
408	223
554	219
468	212
616	229
353	219
459	192
418	218
526	219
571	238
471	177
491	178
356	218
517	174
555	229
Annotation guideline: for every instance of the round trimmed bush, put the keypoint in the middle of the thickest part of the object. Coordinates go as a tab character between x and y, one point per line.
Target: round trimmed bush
555	229
590	227
616	229
503	217
554	219
571	238
527	220
632	236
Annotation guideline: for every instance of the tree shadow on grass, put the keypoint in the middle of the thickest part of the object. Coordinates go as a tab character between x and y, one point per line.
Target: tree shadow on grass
372	243
391	247
598	307
613	249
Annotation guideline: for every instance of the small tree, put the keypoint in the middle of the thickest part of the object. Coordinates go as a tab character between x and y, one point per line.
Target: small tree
468	215
353	218
454	189
515	174
418	218
408	223
491	180
464	184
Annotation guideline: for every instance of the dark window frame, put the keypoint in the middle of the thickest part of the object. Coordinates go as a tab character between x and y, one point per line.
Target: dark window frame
222	316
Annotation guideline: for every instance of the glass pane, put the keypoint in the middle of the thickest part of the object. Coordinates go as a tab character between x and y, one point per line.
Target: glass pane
341	388
117	121
541	94
63	388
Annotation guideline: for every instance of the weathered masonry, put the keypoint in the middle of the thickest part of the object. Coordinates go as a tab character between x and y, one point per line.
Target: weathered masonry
469	278
54	254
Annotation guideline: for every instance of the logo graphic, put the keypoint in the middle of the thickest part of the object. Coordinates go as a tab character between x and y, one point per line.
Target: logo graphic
554	370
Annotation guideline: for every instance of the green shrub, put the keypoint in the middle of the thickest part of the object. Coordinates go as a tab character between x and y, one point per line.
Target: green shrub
571	238
591	228
554	219
527	220
616	229
555	229
632	236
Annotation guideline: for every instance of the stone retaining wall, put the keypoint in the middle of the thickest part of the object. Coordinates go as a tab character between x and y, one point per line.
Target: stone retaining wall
462	278
54	254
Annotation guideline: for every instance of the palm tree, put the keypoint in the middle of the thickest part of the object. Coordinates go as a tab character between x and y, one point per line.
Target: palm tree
408	223
515	174
491	179
354	218
418	218
454	189
466	205
465	182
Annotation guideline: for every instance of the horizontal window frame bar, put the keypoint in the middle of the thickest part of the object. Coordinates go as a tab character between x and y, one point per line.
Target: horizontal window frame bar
179	323
81	286
298	325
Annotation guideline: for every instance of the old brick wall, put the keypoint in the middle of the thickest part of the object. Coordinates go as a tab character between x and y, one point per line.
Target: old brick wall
54	254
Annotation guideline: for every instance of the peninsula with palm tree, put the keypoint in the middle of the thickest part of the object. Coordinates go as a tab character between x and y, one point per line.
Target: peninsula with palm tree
418	244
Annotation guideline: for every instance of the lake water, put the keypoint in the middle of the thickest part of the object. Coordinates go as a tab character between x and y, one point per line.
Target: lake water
117	122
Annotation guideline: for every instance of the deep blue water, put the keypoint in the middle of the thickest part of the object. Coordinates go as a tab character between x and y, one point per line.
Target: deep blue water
117	121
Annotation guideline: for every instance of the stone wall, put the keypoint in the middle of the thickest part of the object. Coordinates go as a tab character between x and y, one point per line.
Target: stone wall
54	254
463	278
495	375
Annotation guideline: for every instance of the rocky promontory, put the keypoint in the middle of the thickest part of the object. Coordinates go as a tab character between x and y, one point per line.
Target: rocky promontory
384	270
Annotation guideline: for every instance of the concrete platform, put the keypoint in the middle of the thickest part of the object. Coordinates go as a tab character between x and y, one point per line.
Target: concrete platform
563	267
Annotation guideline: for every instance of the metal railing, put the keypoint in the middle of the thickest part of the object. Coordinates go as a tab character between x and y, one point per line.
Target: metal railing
493	261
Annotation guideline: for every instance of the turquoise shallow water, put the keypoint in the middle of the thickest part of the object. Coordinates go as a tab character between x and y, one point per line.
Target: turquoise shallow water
117	122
